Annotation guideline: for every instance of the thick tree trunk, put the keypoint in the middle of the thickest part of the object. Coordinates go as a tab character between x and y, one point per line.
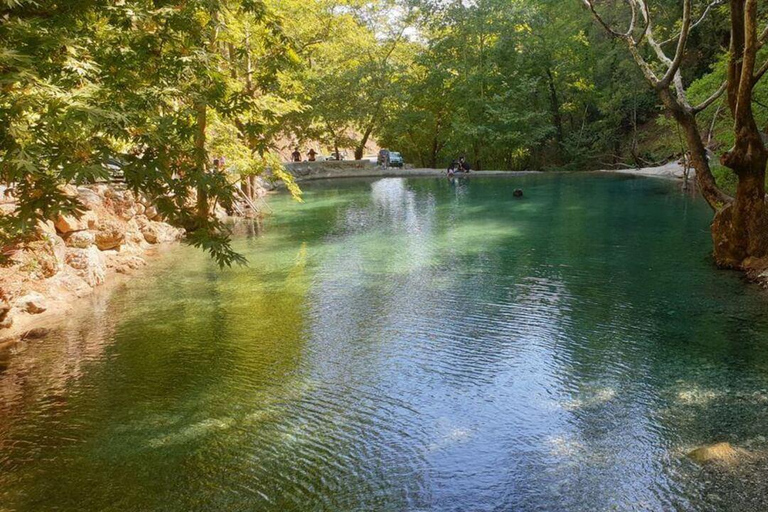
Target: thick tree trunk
360	149
740	231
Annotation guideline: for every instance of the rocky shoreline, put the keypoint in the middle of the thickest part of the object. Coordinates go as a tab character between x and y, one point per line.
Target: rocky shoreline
68	258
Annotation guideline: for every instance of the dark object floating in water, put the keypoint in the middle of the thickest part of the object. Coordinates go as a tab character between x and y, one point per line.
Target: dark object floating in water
517	193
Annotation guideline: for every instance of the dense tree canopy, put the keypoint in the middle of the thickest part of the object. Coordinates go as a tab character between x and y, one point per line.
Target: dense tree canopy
165	86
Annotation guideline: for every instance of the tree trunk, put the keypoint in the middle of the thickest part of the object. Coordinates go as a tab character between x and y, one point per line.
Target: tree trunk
433	154
554	102
200	161
740	230
360	149
699	161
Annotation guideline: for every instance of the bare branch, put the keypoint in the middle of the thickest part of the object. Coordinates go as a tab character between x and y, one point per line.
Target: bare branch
709	101
685	31
763	36
628	38
760	73
628	34
715	3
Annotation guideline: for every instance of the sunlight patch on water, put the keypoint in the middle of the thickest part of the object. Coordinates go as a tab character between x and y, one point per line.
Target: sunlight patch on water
590	398
193	432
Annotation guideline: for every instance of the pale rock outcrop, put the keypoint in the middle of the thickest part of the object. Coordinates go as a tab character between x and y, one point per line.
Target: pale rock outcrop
71	255
89	264
32	303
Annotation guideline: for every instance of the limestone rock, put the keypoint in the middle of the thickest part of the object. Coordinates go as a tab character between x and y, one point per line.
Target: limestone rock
80	239
125	264
69	223
42	258
158	232
151	213
89	264
109	236
89	198
6	320
32	303
723	453
46	228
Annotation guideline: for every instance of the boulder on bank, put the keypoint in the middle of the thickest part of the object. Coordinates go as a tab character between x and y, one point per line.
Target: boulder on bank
158	232
80	239
109	236
68	223
90	198
89	264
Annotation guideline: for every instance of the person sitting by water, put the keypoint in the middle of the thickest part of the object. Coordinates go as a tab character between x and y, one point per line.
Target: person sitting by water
452	167
311	154
463	164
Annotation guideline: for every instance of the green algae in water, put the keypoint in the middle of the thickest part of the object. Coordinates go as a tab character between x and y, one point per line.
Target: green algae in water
410	344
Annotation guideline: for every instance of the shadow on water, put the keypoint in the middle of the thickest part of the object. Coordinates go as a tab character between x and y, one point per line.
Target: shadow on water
409	344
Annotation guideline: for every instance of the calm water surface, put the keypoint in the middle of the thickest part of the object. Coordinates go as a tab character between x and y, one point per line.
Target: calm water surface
409	345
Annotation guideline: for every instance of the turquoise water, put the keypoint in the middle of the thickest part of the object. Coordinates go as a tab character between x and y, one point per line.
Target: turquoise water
409	345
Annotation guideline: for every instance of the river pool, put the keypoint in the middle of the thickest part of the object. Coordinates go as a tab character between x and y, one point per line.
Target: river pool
409	345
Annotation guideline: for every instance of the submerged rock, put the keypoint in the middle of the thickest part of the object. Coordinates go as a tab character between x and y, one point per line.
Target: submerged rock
723	453
36	333
32	303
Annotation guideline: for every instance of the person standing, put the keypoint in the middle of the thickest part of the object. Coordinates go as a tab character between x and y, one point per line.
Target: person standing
296	155
311	154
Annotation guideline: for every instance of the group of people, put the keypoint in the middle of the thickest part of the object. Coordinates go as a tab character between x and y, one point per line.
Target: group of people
458	165
296	155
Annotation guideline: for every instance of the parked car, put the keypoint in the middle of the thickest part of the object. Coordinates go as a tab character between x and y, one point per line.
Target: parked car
334	156
396	159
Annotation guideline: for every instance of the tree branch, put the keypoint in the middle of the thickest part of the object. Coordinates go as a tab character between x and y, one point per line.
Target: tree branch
760	73
709	101
715	3
681	42
628	34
